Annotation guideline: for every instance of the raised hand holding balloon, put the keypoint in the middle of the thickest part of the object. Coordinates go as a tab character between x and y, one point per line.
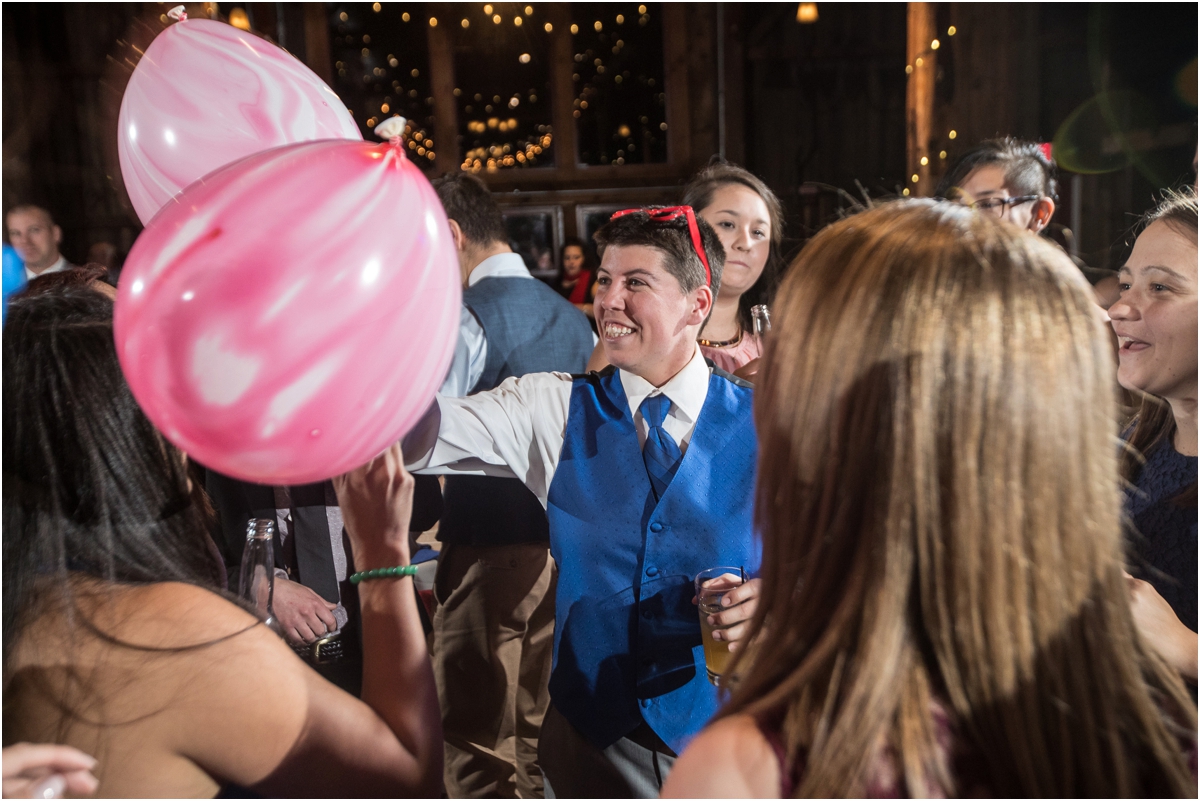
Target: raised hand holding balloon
206	94
293	314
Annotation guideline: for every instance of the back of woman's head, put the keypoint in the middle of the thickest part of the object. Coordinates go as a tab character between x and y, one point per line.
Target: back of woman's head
89	485
939	502
1027	168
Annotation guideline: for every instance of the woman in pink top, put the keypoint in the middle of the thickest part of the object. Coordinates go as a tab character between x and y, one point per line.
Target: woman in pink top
944	611
749	220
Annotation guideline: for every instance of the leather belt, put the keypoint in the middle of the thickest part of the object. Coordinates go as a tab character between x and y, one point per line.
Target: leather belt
323	651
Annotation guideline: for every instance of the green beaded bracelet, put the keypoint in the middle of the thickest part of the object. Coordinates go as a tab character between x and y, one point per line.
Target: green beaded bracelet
384	572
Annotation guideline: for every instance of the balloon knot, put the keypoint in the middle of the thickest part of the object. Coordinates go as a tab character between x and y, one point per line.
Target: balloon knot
178	13
391	129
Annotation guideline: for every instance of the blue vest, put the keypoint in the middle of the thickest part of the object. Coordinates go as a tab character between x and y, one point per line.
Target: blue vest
627	636
530	328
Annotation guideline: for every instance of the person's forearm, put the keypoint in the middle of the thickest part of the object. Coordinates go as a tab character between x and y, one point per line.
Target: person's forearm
397	676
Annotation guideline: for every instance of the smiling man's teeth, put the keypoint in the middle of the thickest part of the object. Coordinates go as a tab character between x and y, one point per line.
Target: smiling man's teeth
614	330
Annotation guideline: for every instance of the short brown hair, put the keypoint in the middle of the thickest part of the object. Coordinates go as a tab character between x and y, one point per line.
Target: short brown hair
468	202
675	243
30	208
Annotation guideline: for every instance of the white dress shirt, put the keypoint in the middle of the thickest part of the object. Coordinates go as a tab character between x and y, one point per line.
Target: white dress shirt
517	429
57	267
470	352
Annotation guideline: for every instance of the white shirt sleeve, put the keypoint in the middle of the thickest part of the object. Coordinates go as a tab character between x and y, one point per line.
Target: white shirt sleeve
470	356
513	431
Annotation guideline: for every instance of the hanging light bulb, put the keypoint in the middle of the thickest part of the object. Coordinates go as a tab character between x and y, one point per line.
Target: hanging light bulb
239	19
806	13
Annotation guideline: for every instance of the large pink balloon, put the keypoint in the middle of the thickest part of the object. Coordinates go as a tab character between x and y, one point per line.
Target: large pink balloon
206	94
292	314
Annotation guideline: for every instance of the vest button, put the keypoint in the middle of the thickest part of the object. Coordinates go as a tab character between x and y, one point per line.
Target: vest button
646	613
645	702
652	571
656	527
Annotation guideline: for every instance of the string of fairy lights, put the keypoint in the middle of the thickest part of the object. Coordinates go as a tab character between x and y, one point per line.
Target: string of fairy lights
920	62
502	54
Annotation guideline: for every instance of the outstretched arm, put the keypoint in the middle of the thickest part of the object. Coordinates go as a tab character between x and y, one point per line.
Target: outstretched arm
512	431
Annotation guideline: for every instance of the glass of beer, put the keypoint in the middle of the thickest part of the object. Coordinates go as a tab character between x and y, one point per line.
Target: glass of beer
711	586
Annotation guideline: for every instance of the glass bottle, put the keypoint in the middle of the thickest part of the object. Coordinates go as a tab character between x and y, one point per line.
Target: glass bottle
256	584
762	319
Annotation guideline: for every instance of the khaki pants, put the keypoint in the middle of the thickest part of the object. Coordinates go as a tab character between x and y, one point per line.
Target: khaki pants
493	640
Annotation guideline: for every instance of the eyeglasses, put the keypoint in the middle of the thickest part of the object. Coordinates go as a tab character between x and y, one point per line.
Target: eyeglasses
998	206
668	214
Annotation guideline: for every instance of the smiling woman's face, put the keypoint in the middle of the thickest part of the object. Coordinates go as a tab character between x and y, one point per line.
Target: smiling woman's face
743	223
1155	317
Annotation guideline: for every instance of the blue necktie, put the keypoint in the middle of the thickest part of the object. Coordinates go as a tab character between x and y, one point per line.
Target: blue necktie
660	453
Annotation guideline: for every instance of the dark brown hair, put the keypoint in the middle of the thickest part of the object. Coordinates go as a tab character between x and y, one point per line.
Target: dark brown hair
699	195
468	202
675	243
1027	169
940	512
1154	422
83	276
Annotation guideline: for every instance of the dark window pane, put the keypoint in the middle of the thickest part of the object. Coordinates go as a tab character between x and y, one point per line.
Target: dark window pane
381	68
620	101
536	234
502	85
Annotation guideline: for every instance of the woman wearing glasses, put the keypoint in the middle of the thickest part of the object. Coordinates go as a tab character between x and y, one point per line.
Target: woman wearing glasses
1006	178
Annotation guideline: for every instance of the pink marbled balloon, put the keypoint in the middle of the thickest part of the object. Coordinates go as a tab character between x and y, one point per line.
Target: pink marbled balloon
291	315
206	94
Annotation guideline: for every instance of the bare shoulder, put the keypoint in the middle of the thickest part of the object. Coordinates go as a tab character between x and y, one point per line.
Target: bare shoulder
729	759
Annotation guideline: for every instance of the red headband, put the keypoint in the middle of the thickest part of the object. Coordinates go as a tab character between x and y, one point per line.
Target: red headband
666	214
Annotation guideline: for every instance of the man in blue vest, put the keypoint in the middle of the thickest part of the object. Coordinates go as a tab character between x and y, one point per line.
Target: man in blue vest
646	471
494	622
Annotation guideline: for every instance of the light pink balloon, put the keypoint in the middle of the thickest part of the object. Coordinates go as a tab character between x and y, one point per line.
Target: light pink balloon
206	94
292	314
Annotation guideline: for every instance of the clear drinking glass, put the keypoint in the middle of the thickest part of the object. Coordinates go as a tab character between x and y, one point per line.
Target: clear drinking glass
711	586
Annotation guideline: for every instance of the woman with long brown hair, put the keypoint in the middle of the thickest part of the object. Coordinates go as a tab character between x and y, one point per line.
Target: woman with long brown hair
1155	322
943	609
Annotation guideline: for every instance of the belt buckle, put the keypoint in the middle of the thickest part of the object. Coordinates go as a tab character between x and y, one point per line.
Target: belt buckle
316	649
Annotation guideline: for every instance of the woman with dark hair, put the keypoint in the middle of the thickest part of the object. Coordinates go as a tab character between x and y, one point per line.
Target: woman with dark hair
1007	178
1155	322
576	274
943	609
748	218
118	640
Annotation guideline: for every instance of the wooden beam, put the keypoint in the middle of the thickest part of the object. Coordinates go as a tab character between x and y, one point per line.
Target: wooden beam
922	59
562	89
675	62
316	41
445	106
